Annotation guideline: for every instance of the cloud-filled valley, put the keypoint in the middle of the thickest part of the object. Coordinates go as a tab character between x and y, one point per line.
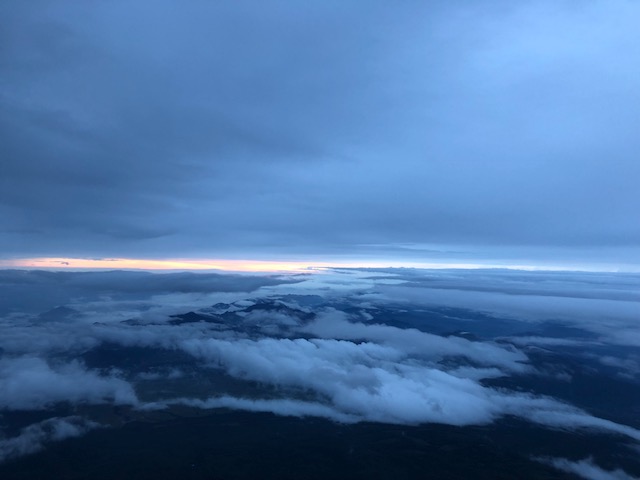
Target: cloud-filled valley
317	345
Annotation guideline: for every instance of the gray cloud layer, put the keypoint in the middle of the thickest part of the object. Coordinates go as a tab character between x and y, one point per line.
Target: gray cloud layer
606	305
234	128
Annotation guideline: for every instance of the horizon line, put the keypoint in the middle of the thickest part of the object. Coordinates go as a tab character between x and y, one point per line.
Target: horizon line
266	266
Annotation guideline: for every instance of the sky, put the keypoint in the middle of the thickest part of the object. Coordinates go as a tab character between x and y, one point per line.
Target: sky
493	132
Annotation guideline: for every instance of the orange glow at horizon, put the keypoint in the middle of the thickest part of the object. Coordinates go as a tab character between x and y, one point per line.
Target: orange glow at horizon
234	265
155	264
179	264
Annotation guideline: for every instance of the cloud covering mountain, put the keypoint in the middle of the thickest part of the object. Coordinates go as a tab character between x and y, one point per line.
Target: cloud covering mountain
378	348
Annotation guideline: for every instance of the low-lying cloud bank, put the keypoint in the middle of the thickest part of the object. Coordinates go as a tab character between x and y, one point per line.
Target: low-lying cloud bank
587	469
30	383
605	304
39	290
381	383
300	349
335	324
35	437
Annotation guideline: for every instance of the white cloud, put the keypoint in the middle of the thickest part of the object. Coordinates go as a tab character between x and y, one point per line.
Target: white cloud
334	324
284	407
546	412
382	383
31	383
587	469
370	381
34	437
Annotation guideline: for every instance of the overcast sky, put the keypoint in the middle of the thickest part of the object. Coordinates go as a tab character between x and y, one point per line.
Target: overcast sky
262	129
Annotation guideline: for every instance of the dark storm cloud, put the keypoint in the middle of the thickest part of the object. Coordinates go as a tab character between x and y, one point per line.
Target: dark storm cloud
261	128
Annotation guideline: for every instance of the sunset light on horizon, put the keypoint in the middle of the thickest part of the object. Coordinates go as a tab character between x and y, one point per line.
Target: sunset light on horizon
266	266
